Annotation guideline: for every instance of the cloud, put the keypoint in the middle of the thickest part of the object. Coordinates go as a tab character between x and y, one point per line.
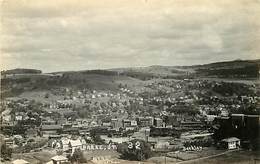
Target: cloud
73	35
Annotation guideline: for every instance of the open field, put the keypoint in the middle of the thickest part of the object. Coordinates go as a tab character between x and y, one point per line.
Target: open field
237	157
35	157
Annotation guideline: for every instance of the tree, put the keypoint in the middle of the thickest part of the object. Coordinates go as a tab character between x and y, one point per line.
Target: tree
77	157
135	150
6	152
47	95
96	138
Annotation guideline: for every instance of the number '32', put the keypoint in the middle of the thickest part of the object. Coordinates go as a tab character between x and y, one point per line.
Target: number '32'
137	145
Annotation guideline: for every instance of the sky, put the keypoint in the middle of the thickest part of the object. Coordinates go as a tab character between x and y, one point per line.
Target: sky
62	35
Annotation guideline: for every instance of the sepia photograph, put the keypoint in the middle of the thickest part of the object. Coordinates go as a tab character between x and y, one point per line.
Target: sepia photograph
130	81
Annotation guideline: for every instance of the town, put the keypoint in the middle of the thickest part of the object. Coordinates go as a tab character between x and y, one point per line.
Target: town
155	121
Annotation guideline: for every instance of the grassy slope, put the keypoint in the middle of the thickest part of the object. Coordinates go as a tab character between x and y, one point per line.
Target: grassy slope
101	79
241	157
36	83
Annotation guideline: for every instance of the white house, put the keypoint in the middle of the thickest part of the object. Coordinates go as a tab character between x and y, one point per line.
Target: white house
20	161
77	144
58	159
65	144
231	143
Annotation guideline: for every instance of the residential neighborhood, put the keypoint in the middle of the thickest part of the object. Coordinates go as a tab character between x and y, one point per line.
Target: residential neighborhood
189	115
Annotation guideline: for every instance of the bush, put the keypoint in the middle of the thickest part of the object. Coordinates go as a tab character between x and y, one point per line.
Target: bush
77	157
6	152
135	150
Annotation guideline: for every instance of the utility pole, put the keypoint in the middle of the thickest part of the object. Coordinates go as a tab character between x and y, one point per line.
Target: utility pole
165	156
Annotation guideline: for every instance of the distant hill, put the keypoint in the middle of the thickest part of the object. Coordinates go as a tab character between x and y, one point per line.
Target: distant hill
155	71
93	80
228	64
230	69
21	71
17	81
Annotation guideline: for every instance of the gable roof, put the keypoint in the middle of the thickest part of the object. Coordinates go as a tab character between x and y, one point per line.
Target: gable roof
20	161
59	158
75	143
51	127
50	162
231	139
65	141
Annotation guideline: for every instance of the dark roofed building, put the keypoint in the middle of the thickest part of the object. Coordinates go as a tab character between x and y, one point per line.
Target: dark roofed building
231	143
47	130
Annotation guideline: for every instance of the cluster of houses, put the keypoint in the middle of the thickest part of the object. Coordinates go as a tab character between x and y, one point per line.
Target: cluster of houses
113	126
61	159
166	108
58	159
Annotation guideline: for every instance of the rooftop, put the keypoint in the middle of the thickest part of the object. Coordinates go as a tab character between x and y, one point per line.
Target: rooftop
75	143
59	158
20	161
231	139
51	127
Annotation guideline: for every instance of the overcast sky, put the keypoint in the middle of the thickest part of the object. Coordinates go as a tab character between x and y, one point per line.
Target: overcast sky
59	35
